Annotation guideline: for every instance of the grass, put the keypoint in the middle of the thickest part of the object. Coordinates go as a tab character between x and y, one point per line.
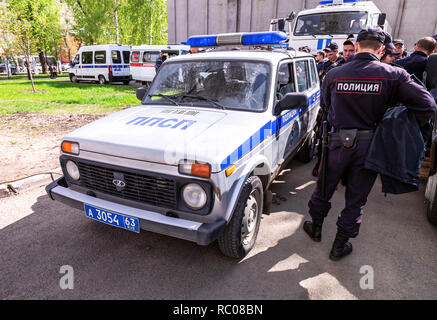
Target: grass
24	76
60	96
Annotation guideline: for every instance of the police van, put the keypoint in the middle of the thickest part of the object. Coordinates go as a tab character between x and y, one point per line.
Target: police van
102	64
195	160
330	21
143	59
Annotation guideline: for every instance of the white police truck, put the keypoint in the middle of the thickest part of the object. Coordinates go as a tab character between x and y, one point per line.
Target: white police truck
196	158
331	20
102	64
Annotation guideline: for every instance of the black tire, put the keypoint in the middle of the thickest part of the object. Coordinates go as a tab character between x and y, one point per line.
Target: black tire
73	78
126	82
101	79
432	204
307	152
237	239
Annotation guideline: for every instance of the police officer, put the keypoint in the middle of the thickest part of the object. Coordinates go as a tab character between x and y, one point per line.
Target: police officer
356	96
334	59
416	62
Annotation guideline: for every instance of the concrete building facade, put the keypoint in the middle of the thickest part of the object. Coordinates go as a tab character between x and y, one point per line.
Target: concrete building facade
409	19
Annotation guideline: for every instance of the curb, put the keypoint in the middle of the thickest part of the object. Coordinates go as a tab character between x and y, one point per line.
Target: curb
24	184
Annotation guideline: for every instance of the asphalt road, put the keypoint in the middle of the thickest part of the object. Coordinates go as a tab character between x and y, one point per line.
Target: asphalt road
396	244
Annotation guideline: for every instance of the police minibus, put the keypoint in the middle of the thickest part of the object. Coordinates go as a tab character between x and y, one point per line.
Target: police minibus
143	59
101	63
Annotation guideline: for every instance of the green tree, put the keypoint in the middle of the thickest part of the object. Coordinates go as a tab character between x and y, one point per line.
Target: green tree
131	22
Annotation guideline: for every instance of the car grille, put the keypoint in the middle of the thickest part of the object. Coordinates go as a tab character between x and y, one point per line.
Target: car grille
142	187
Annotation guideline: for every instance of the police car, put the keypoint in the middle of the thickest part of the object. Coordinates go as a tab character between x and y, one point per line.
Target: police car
196	158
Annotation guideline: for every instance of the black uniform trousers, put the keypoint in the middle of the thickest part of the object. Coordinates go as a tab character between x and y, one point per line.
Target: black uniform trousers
347	165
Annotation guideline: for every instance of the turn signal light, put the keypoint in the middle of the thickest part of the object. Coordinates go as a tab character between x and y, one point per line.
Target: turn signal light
230	170
70	147
195	168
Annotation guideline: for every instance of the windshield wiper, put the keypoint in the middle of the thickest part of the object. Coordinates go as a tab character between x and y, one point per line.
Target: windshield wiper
165	97
198	96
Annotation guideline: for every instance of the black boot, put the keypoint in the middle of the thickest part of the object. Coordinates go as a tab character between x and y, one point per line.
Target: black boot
340	248
314	229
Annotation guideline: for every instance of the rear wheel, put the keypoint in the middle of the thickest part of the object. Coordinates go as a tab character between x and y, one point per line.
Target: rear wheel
239	235
101	79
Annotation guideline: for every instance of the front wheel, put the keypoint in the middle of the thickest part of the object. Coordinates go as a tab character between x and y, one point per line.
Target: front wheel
73	78
239	235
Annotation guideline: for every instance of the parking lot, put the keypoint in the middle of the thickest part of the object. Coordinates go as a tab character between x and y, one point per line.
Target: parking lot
39	236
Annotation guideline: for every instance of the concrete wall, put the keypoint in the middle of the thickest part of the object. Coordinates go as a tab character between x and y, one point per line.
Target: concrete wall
410	19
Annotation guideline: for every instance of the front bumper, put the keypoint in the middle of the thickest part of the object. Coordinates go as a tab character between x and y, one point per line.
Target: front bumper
201	233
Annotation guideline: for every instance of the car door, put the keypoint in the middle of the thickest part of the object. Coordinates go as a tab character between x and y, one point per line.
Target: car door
285	126
86	67
304	85
117	65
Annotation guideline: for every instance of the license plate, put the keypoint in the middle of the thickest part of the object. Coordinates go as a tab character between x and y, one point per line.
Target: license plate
112	218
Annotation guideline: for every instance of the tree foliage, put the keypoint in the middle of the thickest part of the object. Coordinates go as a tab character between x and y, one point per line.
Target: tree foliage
138	21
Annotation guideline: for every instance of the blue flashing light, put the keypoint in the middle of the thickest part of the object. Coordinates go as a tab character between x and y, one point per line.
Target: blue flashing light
247	39
258	38
202	41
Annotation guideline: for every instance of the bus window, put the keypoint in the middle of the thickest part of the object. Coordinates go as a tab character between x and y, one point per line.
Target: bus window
135	56
116	57
150	56
100	57
126	55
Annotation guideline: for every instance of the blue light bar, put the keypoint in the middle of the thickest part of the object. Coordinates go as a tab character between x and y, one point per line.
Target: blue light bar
257	38
202	41
337	2
248	38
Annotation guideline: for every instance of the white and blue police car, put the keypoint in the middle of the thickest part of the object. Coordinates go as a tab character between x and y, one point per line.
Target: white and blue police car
196	158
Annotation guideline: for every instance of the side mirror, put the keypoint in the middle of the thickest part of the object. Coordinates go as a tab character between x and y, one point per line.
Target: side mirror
381	19
140	93
291	101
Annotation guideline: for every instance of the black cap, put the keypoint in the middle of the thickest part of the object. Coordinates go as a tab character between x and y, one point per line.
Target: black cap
396	41
375	34
331	46
390	49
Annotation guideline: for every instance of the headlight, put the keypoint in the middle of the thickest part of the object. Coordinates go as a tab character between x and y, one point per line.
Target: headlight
72	170
194	196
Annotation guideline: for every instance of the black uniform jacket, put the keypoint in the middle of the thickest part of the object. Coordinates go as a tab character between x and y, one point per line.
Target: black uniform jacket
414	64
358	93
396	151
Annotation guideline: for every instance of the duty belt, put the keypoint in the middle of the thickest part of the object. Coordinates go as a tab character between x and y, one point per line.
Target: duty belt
349	137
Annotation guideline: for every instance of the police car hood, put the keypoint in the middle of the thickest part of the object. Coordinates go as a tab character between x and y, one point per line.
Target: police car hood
163	134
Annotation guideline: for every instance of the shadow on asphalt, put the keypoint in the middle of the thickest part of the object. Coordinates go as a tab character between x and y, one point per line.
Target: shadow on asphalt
111	263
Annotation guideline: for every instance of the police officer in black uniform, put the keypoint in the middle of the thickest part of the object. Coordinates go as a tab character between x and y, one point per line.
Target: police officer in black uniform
356	96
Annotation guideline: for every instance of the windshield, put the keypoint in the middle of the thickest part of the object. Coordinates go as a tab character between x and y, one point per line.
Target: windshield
330	23
224	84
